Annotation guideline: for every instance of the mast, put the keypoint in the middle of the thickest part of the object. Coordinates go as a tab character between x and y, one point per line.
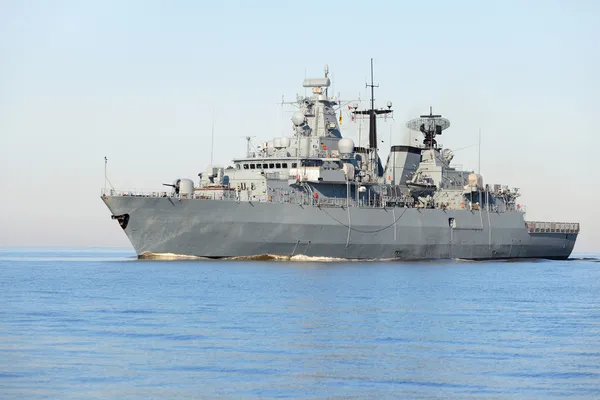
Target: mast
372	122
212	139
373	113
479	154
105	178
247	146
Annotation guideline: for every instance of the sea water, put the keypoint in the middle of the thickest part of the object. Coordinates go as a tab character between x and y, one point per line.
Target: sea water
100	324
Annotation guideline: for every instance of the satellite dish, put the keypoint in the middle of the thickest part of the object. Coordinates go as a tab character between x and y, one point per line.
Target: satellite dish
298	118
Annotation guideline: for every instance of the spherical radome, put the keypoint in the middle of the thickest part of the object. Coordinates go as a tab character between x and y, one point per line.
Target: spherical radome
298	118
346	146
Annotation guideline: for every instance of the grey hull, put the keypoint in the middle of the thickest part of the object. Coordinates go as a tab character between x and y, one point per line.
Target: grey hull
217	228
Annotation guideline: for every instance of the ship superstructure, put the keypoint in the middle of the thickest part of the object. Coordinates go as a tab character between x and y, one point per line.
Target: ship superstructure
316	193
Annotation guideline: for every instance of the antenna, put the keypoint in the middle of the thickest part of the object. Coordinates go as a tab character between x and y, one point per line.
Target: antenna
212	139
372	122
248	144
359	134
479	155
373	113
332	82
305	78
105	178
282	117
373	86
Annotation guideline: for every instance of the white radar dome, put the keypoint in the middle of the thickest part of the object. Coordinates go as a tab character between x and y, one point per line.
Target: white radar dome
298	118
346	146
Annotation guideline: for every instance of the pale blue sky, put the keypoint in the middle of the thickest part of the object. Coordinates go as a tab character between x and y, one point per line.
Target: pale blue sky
137	81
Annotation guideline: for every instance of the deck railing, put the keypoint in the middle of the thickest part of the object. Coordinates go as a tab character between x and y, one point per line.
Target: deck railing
227	195
136	192
306	199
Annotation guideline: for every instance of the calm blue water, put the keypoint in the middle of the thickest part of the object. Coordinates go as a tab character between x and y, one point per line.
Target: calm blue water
99	324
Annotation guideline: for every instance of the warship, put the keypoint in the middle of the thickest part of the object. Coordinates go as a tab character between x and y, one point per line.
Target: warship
315	193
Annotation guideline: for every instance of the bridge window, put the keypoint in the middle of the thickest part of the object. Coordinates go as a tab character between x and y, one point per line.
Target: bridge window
294	165
332	165
312	163
258	166
271	165
265	166
252	166
245	166
284	165
278	165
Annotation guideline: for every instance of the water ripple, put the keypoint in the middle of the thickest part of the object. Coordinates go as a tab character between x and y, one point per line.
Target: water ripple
104	325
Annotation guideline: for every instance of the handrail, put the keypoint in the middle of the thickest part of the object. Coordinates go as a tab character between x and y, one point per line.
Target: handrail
231	195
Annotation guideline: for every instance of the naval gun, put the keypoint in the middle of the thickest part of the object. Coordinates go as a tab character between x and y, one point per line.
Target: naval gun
175	185
183	187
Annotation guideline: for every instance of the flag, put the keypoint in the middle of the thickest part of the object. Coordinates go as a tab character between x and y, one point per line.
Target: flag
340	117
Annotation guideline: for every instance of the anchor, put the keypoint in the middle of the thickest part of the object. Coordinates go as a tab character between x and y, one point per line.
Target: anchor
122	219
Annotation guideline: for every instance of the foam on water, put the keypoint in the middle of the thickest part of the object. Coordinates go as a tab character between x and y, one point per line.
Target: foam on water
169	257
305	258
257	257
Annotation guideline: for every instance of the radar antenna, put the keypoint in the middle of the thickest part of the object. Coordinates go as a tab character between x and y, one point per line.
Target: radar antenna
430	126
